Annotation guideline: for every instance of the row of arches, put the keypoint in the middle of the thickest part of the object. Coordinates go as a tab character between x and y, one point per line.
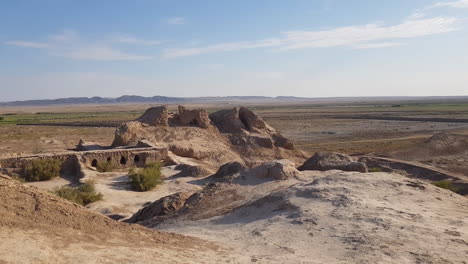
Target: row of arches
123	161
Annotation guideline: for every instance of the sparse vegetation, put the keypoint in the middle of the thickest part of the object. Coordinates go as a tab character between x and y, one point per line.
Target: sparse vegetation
446	184
42	170
83	195
146	178
106	118
16	177
107	166
375	170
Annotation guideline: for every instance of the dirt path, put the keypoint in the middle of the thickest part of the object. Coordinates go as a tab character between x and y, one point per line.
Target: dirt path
422	165
420	136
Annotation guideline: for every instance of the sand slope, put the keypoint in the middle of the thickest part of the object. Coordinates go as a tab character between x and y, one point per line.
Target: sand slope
331	217
38	227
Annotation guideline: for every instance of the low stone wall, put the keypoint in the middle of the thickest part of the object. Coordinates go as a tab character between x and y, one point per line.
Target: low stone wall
73	161
124	158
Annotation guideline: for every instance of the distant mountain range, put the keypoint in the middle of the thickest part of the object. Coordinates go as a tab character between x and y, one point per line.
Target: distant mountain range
257	99
142	99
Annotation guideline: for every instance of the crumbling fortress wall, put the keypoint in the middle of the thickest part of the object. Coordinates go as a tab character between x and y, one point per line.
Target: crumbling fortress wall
73	160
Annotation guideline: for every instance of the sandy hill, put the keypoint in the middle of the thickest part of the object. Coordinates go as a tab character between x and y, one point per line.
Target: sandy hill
320	217
38	227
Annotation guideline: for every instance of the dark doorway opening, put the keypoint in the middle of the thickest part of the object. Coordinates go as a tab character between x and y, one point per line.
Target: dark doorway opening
123	161
136	159
194	122
109	159
94	163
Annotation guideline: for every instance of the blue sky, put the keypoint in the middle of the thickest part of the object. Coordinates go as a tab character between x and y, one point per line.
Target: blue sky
313	48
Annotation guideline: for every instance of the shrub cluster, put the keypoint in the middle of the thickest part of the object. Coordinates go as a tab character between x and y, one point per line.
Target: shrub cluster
83	195
106	166
42	169
446	184
146	178
375	170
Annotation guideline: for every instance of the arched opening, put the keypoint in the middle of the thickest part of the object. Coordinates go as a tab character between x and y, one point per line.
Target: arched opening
123	160
136	159
94	163
109	159
194	122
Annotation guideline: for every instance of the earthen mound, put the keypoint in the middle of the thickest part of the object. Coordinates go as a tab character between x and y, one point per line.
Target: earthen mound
237	120
275	170
246	127
39	227
155	116
195	117
208	202
187	170
163	206
128	134
226	171
244	136
323	161
87	146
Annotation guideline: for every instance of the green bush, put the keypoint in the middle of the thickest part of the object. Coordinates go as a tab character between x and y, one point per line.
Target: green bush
1	118
106	166
83	195
147	178
42	169
375	170
446	184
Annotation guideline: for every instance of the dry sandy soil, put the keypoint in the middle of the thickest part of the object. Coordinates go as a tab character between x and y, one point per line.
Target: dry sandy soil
118	197
315	217
18	140
38	227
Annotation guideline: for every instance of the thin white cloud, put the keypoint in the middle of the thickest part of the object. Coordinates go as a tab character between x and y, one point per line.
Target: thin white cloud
346	36
27	44
378	45
98	53
69	45
343	36
176	21
417	15
132	40
231	46
454	4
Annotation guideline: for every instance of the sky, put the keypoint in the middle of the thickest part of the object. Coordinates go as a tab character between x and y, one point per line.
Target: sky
306	48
